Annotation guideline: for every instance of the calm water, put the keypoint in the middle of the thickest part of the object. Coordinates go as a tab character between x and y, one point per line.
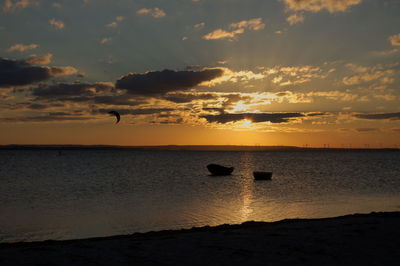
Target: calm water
89	193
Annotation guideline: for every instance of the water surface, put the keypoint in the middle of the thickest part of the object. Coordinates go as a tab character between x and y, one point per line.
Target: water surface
87	193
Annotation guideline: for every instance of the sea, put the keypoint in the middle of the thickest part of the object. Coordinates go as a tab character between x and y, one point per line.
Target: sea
74	194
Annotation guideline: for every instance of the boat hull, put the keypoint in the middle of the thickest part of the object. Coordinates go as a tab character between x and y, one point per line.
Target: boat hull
219	170
262	175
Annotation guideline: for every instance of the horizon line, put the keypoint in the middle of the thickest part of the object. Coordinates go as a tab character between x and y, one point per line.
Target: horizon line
171	147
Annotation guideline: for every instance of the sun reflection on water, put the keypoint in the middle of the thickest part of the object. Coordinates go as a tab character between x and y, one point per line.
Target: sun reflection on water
247	186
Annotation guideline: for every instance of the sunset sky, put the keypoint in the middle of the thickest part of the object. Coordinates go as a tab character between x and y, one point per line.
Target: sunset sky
200	72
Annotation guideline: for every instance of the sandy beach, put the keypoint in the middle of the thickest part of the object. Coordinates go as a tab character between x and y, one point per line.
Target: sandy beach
359	239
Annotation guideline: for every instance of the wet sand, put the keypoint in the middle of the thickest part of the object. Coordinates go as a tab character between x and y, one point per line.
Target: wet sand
360	239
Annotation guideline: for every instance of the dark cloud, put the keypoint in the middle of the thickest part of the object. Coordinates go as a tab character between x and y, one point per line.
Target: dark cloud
254	117
214	109
391	116
367	129
94	93
107	100
231	99
161	82
168	122
316	114
144	111
21	73
32	105
118	100
70	89
37	106
50	117
281	94
188	97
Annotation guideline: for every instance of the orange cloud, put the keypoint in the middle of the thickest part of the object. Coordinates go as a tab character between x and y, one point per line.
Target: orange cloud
238	28
222	34
295	18
154	12
105	40
395	39
22	47
318	5
39	59
58	24
367	74
10	5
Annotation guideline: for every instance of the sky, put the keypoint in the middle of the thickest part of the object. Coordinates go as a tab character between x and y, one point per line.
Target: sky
313	73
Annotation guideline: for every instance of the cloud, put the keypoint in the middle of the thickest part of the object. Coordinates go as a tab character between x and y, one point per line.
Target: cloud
295	18
87	97
254	117
11	5
112	25
179	97
237	28
294	75
395	39
4	96
138	111
251	24
367	129
34	105
222	34
386	97
381	116
57	24
62	71
105	40
234	77
161	82
199	25
368	74
117	100
34	59
318	5
50	117
70	89
20	73
154	12
334	95
22	47
386	52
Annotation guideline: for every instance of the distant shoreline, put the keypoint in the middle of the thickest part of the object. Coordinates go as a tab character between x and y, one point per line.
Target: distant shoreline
184	148
358	239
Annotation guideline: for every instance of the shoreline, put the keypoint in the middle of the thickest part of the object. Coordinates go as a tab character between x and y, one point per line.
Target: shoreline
357	239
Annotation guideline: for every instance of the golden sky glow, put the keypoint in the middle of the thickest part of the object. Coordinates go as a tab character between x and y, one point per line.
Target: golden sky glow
278	72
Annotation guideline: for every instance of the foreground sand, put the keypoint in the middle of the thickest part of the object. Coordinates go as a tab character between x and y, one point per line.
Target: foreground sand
370	239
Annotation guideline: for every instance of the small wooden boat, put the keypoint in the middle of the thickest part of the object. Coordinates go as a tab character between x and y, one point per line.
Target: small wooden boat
262	175
216	169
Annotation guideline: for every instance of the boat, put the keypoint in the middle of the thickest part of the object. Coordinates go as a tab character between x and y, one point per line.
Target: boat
262	175
216	169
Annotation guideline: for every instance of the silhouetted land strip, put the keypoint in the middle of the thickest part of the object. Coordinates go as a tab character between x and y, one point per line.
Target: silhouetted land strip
360	239
183	148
